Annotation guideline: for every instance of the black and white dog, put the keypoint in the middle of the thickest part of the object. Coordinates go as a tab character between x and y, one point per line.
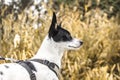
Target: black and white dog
46	63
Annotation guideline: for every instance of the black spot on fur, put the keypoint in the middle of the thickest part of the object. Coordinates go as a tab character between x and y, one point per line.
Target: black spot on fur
6	66
1	73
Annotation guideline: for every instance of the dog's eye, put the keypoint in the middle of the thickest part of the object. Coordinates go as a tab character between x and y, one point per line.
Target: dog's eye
64	38
67	38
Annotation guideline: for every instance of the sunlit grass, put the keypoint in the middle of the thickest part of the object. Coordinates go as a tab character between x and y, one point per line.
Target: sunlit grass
97	59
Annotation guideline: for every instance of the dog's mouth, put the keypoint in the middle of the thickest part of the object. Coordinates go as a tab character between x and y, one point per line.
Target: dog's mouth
74	46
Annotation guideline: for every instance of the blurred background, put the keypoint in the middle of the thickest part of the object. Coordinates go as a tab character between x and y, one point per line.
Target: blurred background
24	24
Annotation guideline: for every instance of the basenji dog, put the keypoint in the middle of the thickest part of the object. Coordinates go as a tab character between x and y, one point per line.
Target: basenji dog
46	63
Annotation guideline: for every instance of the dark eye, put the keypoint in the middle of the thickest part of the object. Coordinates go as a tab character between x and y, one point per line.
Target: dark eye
64	38
67	38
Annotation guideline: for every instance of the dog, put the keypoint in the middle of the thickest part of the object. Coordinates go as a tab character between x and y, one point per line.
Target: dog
47	61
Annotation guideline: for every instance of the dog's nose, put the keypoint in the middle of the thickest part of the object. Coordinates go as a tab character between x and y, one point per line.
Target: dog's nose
81	42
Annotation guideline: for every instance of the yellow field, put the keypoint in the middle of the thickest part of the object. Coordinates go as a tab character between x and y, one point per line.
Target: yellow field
97	59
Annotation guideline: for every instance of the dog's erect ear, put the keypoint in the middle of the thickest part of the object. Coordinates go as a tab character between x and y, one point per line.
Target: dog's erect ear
52	30
59	26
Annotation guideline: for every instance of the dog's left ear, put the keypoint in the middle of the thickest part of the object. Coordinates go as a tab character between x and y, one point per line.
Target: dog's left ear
52	30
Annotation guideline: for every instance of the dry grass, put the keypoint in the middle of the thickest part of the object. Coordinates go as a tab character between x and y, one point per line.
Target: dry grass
99	57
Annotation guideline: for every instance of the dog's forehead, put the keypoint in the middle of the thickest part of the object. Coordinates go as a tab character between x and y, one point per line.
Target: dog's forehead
62	35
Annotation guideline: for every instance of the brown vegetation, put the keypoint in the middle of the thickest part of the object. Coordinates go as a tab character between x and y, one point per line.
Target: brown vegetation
99	57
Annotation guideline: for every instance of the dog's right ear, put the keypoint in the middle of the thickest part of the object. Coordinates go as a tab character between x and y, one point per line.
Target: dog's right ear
52	30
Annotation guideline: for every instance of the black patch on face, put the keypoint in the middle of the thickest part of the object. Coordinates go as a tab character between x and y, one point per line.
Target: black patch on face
62	35
1	73
6	66
58	34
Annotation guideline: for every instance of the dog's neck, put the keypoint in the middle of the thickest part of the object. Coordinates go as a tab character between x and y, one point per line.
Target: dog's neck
49	51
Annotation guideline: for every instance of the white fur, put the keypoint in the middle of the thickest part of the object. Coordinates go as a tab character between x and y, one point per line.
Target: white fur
49	50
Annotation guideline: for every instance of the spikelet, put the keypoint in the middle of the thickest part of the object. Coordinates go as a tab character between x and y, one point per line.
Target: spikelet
16	40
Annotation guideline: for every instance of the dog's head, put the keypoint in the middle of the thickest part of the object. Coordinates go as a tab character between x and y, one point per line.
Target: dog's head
61	37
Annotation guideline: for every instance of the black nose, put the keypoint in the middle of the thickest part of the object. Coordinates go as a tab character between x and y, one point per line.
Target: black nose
81	42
